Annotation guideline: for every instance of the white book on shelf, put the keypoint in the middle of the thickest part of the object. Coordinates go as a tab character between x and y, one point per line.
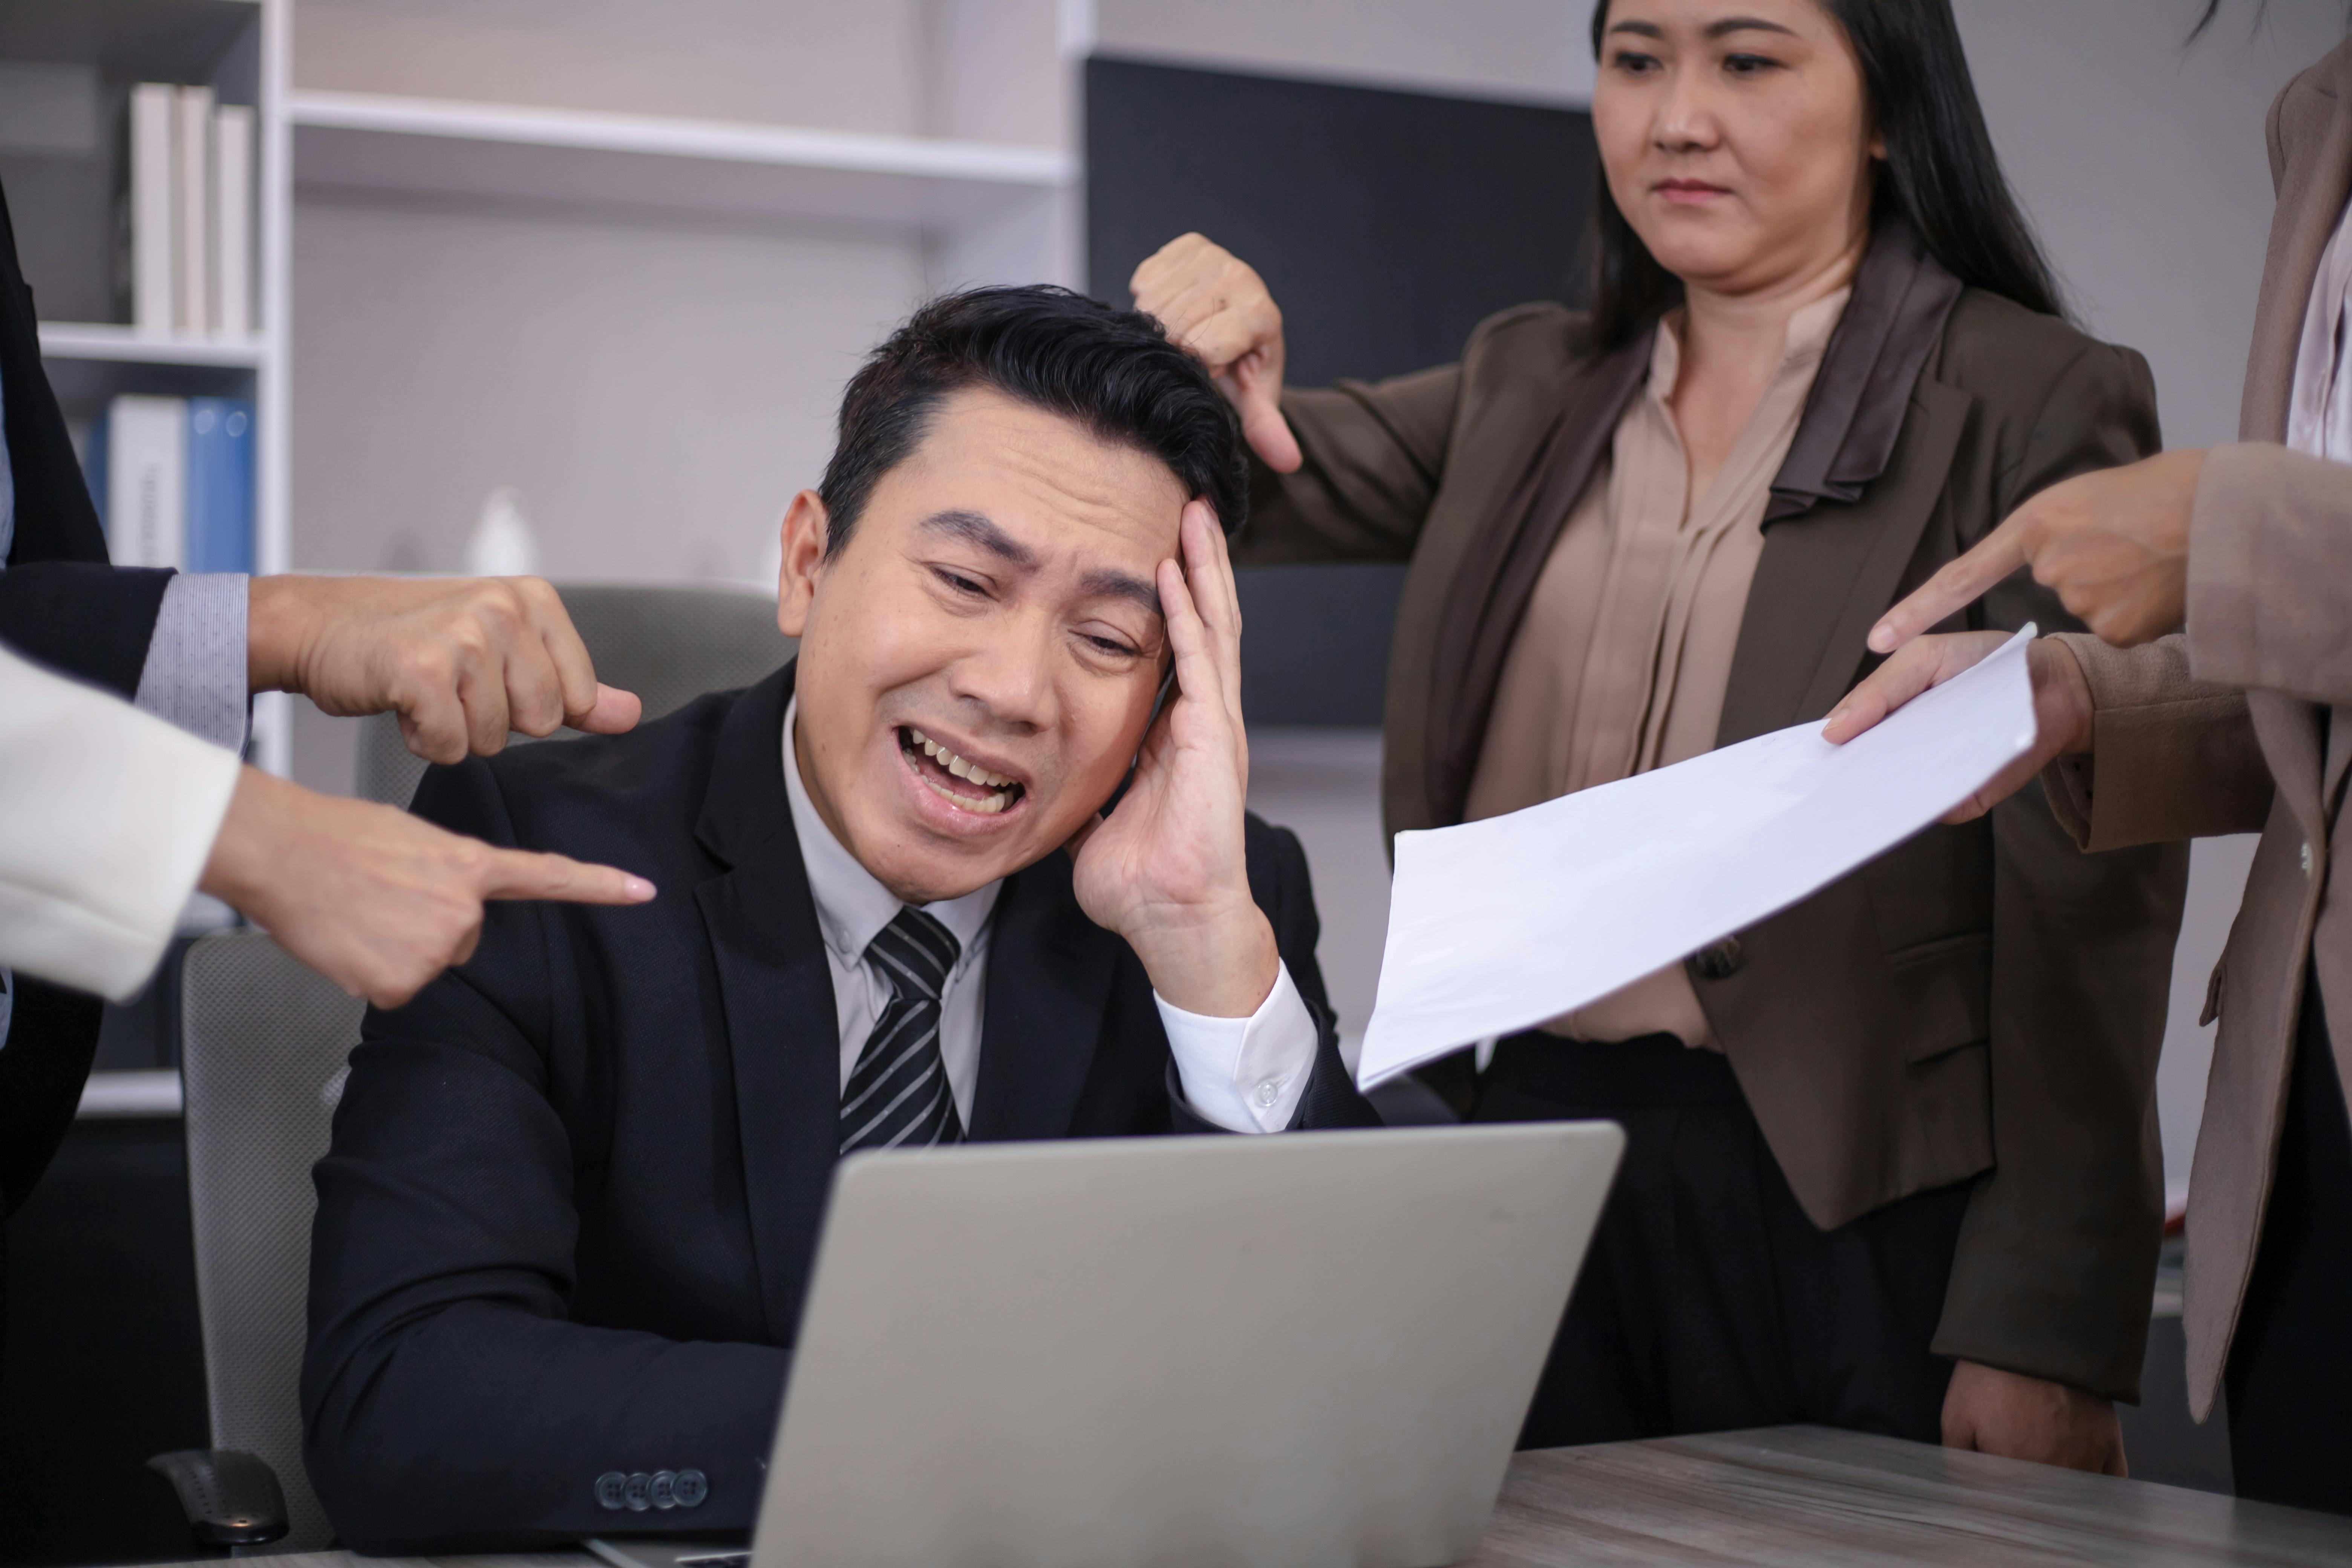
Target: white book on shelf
191	207
153	284
232	223
147	481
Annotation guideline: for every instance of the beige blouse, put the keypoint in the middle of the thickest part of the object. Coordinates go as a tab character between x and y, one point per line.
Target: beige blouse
1621	664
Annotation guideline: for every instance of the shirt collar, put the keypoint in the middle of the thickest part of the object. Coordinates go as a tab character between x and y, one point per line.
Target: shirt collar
852	905
1809	330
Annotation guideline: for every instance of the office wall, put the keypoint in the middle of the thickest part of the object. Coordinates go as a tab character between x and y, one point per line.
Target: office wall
1535	51
851	68
644	383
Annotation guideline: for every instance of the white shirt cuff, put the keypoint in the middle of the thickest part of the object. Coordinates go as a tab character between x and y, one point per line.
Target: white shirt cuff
1246	1075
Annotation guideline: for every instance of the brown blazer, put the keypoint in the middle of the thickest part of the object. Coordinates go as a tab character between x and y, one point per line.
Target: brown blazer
1982	1001
2219	730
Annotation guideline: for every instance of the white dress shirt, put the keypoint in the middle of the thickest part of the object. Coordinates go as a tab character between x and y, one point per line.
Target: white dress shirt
2319	414
1246	1075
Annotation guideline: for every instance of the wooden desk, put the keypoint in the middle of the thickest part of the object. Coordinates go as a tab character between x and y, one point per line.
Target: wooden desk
1811	1497
1808	1496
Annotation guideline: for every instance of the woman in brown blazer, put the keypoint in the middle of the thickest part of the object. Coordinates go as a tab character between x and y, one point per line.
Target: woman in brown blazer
2239	723
1909	1179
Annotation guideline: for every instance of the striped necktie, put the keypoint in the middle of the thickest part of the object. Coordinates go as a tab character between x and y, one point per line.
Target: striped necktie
897	1093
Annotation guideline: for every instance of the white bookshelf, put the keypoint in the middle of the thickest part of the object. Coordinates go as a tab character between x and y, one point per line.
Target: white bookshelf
239	48
375	141
108	342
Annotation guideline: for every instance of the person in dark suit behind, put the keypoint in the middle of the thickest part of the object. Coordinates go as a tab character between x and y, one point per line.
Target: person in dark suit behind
373	899
566	1224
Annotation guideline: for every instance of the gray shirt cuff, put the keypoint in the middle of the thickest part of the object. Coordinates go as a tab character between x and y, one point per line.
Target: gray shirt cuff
194	673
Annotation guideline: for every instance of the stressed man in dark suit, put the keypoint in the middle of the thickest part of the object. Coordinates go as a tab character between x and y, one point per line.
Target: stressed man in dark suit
566	1224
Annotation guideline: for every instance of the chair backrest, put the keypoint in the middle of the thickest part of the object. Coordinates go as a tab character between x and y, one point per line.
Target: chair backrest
668	645
263	1048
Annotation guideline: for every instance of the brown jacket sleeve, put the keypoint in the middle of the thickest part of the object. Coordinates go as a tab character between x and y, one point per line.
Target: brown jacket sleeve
1374	453
2171	756
2270	574
2173	750
2057	1251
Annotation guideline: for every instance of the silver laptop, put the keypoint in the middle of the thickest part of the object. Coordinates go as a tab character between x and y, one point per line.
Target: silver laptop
1285	1351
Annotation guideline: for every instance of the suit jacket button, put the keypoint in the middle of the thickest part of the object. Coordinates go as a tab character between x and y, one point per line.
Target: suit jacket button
1721	960
610	1488
690	1487
639	1493
665	1492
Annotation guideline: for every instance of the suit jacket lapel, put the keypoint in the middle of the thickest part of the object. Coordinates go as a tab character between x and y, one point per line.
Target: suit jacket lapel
2311	164
1049	978
1825	578
783	1037
2312	187
1852	496
1488	595
2288	729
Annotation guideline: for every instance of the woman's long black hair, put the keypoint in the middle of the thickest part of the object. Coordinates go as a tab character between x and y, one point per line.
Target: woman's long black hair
1940	172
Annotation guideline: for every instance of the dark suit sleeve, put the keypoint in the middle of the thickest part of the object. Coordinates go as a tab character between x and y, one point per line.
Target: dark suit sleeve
63	606
91	622
449	1402
2057	1253
55	520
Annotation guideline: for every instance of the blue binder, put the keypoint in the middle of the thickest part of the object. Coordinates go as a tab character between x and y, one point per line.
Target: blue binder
220	484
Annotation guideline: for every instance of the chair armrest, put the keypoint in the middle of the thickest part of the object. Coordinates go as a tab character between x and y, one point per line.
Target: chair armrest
230	1499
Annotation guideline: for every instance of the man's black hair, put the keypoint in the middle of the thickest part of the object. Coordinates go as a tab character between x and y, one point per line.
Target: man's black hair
1114	372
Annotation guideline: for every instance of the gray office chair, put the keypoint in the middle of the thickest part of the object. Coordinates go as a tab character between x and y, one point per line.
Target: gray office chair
263	1046
264	1043
669	645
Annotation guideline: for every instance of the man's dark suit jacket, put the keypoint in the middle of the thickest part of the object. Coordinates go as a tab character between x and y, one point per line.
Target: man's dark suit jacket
567	1222
62	604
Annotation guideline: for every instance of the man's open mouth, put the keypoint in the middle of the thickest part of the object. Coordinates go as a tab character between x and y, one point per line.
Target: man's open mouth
965	785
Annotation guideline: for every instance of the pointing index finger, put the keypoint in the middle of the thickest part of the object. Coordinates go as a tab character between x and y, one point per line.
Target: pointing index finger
1959	585
526	874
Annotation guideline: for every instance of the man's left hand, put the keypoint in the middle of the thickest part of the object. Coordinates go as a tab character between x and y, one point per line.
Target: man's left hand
2020	1417
1167	869
2115	544
461	660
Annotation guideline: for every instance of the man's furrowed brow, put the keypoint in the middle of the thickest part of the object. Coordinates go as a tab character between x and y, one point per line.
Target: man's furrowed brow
1105	583
975	530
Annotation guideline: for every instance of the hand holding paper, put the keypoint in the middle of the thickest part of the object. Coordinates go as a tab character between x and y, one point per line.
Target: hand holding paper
1495	926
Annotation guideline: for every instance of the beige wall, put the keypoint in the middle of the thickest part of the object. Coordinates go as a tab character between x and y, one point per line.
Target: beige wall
855	67
656	390
1533	50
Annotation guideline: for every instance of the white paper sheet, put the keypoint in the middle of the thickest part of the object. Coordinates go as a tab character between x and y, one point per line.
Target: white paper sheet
1498	925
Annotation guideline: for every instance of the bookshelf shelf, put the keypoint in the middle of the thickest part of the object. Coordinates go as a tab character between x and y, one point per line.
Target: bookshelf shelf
440	147
126	345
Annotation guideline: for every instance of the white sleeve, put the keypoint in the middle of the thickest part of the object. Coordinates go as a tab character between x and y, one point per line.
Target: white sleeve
107	816
1246	1075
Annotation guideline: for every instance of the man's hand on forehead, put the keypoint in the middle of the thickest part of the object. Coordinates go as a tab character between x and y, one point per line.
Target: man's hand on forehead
1167	869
